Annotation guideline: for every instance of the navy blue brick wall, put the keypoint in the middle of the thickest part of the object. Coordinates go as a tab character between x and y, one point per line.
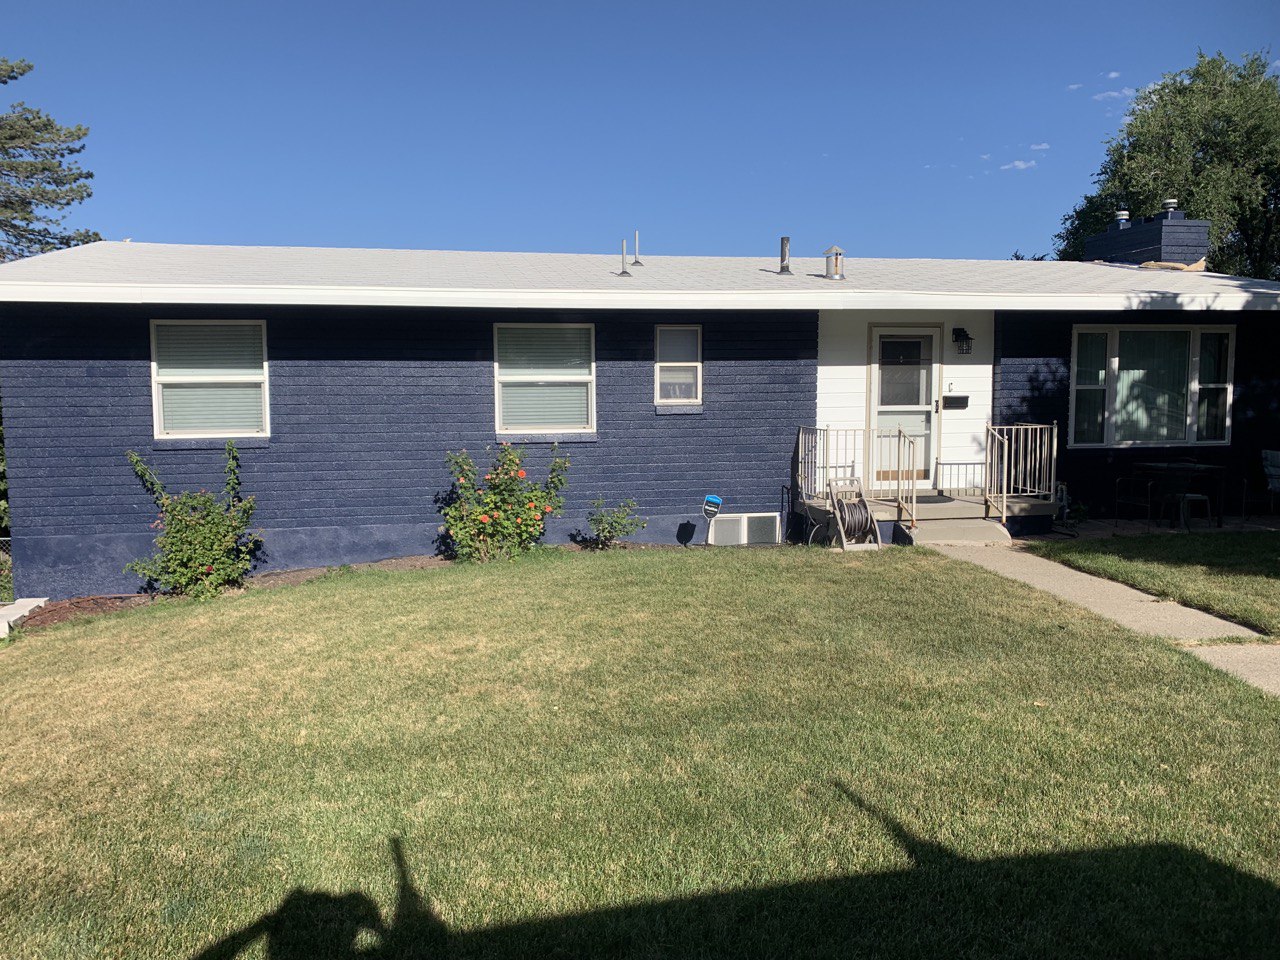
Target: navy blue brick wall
1032	384
364	404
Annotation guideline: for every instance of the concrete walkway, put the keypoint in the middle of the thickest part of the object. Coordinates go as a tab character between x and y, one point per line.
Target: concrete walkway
1126	606
1255	663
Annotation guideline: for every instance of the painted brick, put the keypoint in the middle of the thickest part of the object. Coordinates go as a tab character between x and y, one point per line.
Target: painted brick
364	404
1032	383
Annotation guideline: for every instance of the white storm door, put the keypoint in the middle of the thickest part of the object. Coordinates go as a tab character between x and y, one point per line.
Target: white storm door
905	378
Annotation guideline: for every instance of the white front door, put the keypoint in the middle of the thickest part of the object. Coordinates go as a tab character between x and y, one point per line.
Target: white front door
905	372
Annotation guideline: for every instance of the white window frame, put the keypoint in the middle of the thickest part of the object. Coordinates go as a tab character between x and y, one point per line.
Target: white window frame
658	364
1113	332
499	378
264	378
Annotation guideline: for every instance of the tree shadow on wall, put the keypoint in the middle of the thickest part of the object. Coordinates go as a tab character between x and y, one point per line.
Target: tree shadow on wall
1158	900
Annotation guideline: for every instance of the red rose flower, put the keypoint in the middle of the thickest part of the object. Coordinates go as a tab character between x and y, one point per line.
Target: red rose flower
484	518
520	474
209	569
546	509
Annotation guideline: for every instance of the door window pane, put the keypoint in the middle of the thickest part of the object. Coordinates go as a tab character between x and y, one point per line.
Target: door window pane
1152	386
905	371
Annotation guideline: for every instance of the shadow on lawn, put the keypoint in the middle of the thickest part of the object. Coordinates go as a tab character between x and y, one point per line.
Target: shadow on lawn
1157	900
1254	553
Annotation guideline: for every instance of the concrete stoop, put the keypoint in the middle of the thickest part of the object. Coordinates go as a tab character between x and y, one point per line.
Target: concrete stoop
966	532
11	613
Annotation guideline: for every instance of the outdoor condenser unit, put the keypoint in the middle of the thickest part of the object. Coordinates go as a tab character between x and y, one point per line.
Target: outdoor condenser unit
744	529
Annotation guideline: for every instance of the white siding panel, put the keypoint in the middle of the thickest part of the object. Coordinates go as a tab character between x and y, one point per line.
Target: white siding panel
843	371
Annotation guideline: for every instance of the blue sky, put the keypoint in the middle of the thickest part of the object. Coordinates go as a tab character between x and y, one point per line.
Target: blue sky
901	130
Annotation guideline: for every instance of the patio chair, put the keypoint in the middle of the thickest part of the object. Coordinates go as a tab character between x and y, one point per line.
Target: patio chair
1137	491
1173	491
1271	470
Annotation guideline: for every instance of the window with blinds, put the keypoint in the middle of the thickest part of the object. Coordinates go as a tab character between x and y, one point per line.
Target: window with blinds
1151	385
545	377
209	378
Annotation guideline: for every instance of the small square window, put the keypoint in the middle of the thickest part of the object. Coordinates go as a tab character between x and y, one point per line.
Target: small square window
677	368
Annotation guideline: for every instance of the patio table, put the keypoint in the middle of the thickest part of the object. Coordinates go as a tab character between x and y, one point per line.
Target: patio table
1209	477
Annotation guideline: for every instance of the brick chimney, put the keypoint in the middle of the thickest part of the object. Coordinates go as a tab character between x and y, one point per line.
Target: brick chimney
1168	237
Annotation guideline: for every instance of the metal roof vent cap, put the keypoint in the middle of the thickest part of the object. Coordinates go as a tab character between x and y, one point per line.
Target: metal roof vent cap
835	263
1170	204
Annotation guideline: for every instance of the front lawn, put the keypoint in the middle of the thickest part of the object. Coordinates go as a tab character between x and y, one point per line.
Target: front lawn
1233	575
701	753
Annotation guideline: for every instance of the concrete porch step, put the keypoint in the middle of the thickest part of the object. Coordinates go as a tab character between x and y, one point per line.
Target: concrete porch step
963	531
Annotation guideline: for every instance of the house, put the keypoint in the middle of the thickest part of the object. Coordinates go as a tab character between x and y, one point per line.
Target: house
345	375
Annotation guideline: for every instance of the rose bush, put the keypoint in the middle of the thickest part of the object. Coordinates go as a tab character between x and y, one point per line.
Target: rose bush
204	542
501	513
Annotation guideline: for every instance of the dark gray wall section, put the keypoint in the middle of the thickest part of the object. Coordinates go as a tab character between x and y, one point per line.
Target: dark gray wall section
1162	238
364	404
1032	384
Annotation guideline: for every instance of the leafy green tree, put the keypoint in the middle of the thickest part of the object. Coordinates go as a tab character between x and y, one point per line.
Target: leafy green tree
1210	137
39	177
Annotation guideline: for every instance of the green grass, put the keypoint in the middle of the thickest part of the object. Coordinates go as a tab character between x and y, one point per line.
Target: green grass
639	754
6	578
1233	575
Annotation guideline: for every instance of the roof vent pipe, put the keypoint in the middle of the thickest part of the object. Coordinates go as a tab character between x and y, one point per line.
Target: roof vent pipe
636	262
784	258
623	272
1122	216
835	263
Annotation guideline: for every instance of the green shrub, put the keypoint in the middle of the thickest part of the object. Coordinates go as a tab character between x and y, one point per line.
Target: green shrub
610	524
204	542
501	514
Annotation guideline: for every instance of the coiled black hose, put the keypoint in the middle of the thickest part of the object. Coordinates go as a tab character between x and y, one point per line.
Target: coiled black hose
855	518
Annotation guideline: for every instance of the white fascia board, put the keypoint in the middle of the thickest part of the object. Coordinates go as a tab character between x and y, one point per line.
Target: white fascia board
804	299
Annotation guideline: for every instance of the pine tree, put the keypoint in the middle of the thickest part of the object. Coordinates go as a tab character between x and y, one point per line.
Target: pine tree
39	177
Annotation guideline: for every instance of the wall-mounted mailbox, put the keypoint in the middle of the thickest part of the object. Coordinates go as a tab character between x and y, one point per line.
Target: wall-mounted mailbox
955	402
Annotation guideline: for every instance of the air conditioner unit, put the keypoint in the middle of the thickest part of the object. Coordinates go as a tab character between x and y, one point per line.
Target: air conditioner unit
742	529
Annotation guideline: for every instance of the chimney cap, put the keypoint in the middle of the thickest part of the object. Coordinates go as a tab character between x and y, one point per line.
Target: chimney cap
831	251
1170	204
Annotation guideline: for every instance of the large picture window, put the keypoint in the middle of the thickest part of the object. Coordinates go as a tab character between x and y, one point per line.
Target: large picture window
209	378
677	370
544	377
1157	386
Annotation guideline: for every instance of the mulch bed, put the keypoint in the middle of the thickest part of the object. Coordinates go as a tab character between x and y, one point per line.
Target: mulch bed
60	611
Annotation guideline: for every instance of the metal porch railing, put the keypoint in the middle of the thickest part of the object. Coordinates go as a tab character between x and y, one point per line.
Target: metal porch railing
1022	461
886	461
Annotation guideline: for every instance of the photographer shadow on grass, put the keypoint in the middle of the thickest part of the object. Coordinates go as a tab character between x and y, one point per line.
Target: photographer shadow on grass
1155	899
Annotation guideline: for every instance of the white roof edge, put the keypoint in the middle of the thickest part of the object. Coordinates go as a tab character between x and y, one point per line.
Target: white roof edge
833	299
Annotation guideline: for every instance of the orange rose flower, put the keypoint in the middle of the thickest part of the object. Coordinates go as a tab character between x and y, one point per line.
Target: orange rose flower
546	509
484	518
532	507
520	474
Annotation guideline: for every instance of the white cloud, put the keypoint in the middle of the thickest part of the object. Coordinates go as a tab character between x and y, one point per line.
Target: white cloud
1018	165
1039	146
1074	86
1121	94
985	156
1112	74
